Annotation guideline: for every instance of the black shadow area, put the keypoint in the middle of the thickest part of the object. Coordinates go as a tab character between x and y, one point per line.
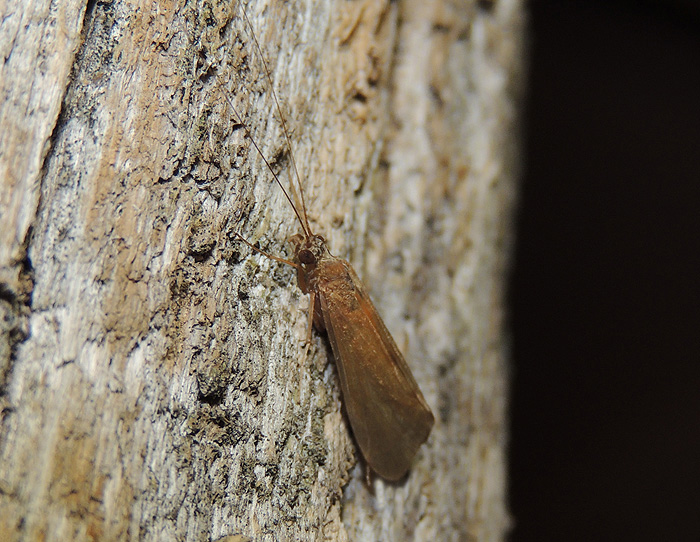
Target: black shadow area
605	291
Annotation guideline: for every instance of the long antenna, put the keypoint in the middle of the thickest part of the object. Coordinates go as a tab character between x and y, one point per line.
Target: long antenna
305	223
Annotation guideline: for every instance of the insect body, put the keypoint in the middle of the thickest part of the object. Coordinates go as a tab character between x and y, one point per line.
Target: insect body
389	416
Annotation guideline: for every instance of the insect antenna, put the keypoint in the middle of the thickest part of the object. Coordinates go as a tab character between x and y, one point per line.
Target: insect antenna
239	119
305	223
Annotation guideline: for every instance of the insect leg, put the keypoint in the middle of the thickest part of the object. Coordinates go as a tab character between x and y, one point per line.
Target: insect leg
272	257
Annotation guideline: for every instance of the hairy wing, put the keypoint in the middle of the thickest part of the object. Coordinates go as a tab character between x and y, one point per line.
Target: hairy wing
388	414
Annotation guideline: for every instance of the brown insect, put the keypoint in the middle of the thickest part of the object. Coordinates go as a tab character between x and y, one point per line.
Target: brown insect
386	409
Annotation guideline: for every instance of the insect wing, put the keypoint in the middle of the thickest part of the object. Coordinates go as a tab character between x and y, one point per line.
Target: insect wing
388	414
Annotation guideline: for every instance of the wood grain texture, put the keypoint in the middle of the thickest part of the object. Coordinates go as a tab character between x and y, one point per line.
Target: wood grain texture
153	380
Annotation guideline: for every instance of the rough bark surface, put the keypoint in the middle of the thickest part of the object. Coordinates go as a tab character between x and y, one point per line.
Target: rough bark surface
153	383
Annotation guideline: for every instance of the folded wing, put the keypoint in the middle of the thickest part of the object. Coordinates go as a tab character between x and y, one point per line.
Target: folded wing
388	414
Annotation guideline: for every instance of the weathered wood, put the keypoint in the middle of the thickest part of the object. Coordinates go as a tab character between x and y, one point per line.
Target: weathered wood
153	379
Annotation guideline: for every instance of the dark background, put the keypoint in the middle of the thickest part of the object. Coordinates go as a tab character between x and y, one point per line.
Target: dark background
605	290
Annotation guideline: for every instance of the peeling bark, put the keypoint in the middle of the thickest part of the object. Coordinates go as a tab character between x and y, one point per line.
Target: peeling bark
152	370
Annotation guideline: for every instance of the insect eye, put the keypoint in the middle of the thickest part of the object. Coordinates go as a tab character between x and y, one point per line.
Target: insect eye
306	256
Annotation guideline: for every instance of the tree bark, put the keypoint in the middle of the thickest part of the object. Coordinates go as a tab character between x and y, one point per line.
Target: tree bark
154	382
